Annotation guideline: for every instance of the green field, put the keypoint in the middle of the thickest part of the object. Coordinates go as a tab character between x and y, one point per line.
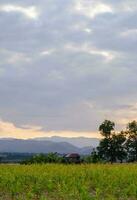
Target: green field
68	182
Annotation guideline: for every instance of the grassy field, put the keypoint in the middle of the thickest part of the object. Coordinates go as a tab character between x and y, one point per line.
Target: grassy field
68	182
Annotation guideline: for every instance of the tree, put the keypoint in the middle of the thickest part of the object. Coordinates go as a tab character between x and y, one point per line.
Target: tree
104	150
94	156
111	147
106	128
118	144
105	147
132	141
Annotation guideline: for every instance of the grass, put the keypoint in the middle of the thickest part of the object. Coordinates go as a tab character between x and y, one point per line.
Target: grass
68	182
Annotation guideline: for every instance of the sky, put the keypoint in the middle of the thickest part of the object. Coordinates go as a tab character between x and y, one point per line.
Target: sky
66	65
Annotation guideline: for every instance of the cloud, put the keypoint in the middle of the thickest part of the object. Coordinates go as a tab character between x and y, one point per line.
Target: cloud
129	33
29	12
47	52
92	9
65	66
8	129
91	50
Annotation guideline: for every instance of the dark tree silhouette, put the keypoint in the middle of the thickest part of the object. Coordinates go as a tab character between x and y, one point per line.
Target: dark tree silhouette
106	128
111	147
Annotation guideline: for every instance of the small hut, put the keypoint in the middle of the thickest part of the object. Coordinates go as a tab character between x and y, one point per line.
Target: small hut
72	158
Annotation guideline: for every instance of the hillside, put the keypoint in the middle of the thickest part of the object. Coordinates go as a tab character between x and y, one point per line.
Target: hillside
76	141
35	146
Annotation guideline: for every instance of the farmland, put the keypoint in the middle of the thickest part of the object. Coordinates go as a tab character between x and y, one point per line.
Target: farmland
68	182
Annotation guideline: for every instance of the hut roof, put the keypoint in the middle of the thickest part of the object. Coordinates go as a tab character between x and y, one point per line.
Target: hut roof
73	155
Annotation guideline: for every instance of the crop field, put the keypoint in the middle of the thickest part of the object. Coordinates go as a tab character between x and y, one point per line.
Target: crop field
68	182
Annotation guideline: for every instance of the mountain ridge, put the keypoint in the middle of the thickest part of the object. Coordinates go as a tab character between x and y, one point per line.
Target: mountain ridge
76	141
36	146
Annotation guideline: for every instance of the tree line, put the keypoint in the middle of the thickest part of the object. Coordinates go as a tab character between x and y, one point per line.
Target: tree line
55	158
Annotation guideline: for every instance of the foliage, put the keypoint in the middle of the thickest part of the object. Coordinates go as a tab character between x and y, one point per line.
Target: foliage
55	158
118	143
111	147
44	158
106	128
95	157
132	141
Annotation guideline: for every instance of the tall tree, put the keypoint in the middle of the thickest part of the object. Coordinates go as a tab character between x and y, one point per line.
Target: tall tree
111	147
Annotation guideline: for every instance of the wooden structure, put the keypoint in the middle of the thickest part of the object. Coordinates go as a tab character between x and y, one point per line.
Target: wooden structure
72	158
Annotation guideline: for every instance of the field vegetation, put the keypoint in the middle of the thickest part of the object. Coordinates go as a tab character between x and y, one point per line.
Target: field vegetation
68	182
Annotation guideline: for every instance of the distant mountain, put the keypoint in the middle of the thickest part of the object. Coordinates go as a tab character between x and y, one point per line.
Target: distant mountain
76	141
40	146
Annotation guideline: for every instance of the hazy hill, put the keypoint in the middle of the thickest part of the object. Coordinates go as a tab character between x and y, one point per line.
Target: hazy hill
42	146
76	141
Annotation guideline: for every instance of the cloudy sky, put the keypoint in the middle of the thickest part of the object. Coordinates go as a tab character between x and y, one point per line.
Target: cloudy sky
66	65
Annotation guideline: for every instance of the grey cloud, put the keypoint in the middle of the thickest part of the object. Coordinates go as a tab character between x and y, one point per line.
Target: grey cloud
50	90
